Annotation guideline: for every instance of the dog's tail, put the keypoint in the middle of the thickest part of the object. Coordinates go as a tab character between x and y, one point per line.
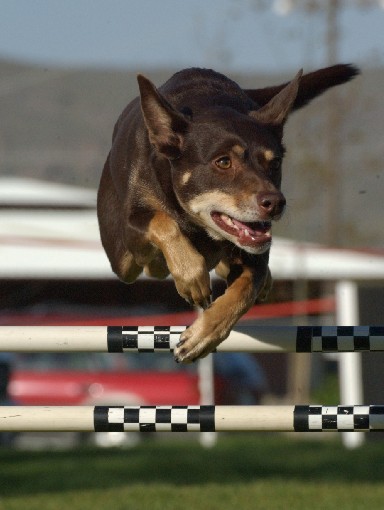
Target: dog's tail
311	85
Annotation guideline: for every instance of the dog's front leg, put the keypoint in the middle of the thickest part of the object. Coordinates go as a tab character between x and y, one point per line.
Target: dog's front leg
216	322
184	262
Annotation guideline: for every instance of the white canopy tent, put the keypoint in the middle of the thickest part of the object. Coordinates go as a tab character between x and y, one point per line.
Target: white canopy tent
21	192
66	244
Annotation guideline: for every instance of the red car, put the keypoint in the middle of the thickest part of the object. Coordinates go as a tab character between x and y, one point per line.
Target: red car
101	379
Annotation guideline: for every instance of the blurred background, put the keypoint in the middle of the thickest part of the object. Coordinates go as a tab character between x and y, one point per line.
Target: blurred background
67	69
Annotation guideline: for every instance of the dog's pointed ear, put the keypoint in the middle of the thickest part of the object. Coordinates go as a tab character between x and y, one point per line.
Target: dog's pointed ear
166	126
276	111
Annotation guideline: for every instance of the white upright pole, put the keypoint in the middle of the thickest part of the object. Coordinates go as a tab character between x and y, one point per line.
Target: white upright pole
350	366
207	395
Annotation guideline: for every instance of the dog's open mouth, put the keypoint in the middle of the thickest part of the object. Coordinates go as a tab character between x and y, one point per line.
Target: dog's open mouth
252	234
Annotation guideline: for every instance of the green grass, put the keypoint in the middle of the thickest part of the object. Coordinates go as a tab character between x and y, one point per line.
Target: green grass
242	472
328	391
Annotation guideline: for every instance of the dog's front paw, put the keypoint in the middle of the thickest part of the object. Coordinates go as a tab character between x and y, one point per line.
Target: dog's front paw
190	347
197	341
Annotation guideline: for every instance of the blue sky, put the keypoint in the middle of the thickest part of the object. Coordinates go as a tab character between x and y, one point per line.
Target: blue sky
142	34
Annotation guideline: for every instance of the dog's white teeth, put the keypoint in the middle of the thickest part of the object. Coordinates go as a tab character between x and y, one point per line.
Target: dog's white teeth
227	220
246	232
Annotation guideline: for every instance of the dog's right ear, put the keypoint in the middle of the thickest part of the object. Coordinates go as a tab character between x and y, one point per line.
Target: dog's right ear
166	126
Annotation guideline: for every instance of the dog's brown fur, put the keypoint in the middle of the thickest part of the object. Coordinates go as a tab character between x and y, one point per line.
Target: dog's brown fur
192	183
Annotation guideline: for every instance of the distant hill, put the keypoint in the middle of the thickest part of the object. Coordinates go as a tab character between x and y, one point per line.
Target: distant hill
56	124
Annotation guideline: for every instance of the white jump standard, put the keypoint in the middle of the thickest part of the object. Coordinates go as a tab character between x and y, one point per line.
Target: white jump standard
299	418
165	338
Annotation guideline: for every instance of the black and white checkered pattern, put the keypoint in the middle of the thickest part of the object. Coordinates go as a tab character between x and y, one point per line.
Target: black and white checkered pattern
339	338
143	338
361	418
154	419
308	338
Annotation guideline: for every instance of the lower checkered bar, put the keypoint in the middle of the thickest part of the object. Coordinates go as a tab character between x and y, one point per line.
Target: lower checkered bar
288	418
300	418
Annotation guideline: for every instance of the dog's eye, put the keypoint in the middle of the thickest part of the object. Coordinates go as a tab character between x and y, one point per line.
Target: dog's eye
275	164
223	163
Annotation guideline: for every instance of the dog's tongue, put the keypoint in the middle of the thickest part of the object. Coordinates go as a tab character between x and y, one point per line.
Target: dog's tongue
248	233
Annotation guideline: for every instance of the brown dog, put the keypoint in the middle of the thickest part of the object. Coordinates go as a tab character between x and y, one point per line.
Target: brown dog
192	183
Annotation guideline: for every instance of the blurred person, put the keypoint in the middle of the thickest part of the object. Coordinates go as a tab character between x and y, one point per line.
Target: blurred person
6	363
241	379
6	360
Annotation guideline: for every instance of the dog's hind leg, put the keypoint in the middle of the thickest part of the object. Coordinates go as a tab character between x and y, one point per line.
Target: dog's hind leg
111	226
123	262
157	268
128	270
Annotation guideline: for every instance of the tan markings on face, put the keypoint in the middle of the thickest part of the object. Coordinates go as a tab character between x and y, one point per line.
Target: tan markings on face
185	178
238	150
269	155
205	202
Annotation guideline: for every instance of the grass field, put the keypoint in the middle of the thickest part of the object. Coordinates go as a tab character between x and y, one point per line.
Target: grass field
244	472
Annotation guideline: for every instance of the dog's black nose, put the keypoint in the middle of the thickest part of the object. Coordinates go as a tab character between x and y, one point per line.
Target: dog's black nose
272	204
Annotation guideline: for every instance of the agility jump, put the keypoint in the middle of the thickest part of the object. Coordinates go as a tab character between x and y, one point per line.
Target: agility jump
205	418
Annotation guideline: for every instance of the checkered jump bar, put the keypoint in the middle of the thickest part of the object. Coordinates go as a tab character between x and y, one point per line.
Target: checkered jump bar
164	339
300	418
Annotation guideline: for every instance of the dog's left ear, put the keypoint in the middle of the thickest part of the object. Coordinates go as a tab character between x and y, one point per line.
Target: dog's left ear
276	111
166	126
